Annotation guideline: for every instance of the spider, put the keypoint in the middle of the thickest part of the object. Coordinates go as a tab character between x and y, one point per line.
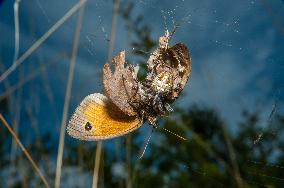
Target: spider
168	72
153	100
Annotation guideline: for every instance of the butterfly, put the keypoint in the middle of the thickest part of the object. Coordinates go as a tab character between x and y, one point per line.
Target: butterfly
127	102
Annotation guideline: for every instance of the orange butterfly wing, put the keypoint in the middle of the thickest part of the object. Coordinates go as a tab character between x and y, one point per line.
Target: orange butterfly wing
104	119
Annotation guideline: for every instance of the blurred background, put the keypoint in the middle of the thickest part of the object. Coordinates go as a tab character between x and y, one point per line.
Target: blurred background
231	111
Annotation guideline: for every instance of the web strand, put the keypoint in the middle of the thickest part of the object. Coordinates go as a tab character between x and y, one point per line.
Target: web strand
180	137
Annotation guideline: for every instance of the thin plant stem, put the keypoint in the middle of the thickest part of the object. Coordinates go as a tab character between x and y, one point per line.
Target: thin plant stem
113	28
128	161
97	164
26	79
16	54
6	82
228	142
16	114
24	150
17	30
276	20
68	96
110	51
22	58
49	94
34	123
232	155
16	118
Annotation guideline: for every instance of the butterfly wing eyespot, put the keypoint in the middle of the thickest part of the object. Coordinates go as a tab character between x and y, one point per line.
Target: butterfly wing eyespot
88	126
96	118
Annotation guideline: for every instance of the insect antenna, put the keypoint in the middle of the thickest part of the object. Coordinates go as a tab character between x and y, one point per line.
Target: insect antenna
146	144
167	130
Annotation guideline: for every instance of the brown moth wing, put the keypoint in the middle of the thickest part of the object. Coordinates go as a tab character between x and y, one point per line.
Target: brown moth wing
121	86
181	64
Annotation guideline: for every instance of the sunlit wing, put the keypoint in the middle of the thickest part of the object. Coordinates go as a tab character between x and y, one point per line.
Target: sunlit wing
96	118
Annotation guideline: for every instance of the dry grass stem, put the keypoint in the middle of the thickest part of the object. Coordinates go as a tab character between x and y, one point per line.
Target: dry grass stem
24	150
232	155
49	93
16	117
17	30
26	79
41	40
2	69
68	96
113	28
110	51
18	98
128	161
97	164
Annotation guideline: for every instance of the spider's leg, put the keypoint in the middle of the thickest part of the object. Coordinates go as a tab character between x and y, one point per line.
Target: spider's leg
155	125
158	105
168	107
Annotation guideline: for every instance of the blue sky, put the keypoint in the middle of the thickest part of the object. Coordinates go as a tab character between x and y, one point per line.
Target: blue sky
236	46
